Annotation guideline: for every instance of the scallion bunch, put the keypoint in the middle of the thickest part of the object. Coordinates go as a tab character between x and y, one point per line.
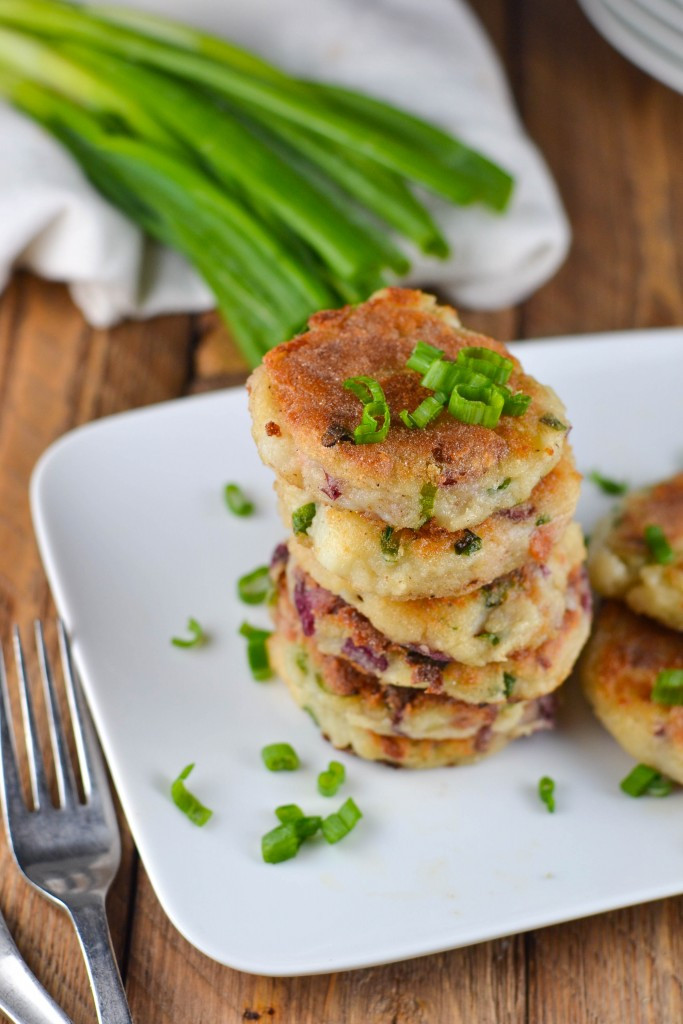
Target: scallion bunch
286	195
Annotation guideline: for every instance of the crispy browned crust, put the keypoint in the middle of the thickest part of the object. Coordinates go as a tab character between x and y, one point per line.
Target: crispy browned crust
375	339
660	505
619	669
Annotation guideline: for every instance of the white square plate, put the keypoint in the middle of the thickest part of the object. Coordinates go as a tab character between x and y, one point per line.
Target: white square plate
135	538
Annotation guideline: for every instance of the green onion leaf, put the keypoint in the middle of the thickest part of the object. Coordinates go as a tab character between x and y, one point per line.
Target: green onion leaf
546	790
281	843
288	813
491	638
486	362
389	544
236	501
255	587
307	826
196	640
643	780
668	688
542	520
468	544
336	826
606	485
552	421
280	757
422	357
185	801
370	393
508	683
515	405
660	549
330	780
257	651
477	405
426	411
302	517
427	496
506	482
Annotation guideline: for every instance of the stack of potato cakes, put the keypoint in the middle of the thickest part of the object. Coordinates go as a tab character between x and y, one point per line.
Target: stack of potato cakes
432	594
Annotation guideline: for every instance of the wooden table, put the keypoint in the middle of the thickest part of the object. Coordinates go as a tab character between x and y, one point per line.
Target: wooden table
613	139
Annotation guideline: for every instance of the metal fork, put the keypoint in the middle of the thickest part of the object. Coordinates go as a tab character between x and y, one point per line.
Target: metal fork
69	853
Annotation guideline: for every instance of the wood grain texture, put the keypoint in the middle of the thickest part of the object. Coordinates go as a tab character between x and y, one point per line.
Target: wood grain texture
610	135
56	373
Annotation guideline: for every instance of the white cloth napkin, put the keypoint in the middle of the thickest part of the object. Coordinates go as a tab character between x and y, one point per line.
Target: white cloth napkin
429	56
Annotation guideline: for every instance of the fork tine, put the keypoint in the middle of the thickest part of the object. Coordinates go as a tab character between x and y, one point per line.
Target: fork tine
36	767
66	783
10	782
93	772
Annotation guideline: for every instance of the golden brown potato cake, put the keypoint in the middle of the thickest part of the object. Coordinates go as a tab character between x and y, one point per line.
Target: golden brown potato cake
516	611
621	563
303	418
431	562
618	671
402	727
341	631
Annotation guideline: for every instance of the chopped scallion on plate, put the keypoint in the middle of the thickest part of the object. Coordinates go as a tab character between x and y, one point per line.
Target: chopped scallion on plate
607	486
196	639
254	587
236	501
546	791
646	781
186	802
280	757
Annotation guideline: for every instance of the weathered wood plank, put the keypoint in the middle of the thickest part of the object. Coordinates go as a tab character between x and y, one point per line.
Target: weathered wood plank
54	374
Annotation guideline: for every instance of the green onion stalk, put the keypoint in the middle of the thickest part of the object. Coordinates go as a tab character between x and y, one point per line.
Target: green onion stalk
286	195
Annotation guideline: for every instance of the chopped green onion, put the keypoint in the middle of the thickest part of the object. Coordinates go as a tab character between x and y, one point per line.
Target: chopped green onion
236	501
254	587
606	485
389	544
281	843
508	683
427	496
422	357
185	801
546	790
288	813
643	780
257	651
491	638
515	405
336	826
477	405
330	780
668	688
198	636
552	421
301	660
307	826
468	543
506	482
660	549
487	362
426	411
542	520
370	393
302	517
280	757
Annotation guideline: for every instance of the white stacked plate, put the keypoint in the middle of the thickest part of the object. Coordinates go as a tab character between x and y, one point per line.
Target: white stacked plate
647	32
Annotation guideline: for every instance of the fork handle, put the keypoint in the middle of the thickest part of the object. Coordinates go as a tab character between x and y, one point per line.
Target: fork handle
90	920
22	998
